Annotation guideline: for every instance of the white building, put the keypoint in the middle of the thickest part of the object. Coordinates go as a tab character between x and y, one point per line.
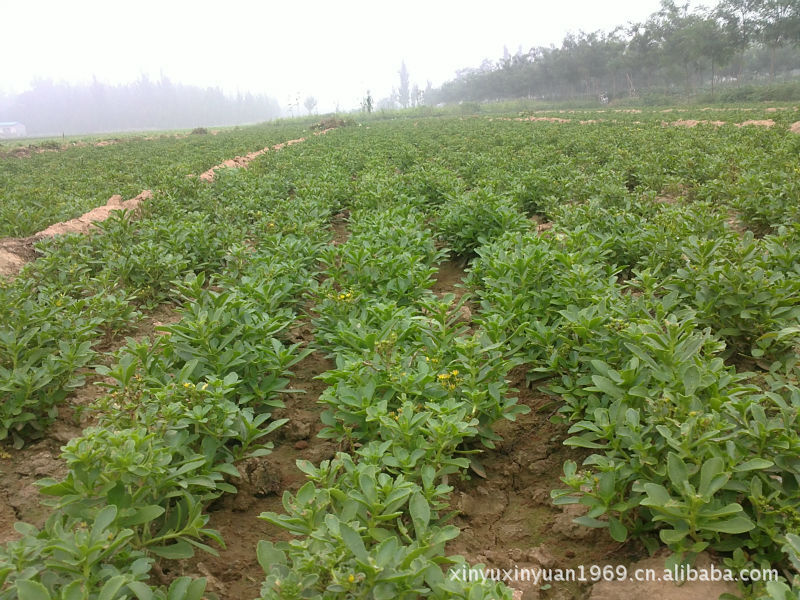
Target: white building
11	129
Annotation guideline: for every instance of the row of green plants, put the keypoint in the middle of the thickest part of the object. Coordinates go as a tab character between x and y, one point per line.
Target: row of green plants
84	292
182	409
411	394
683	448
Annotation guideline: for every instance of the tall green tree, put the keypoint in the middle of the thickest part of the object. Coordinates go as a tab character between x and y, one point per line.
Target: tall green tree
403	90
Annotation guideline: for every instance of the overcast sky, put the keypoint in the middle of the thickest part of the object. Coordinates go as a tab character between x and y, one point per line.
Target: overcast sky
334	51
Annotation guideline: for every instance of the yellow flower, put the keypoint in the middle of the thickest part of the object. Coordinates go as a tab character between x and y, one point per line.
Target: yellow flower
351	578
444	375
454	372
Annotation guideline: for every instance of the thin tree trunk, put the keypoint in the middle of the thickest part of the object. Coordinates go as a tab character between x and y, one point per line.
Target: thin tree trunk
712	78
772	63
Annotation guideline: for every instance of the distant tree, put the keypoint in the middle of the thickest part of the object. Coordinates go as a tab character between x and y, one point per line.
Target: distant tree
53	108
779	26
416	95
310	104
674	48
403	90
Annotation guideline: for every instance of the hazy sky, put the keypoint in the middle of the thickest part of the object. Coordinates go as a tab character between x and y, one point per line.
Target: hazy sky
334	51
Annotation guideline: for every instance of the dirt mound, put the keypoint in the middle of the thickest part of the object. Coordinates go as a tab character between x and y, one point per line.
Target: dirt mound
795	127
332	123
546	119
15	252
761	123
693	123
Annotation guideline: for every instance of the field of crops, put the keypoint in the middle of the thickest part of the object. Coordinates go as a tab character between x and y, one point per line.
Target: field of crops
388	355
51	185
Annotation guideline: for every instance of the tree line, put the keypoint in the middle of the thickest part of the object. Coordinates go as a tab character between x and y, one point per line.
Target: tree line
675	50
51	108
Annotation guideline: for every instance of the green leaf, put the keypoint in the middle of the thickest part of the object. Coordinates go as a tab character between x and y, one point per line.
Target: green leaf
420	512
119	496
268	555
657	495
31	590
181	549
711	476
691	379
618	531
672	536
111	587
353	542
141	590
733	525
677	470
103	519
74	591
193	591
754	464
145	514
605	385
587	521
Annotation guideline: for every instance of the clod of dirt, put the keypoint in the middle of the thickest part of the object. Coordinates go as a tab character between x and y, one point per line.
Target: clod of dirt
14	253
296	429
663	590
544	227
483	506
564	524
